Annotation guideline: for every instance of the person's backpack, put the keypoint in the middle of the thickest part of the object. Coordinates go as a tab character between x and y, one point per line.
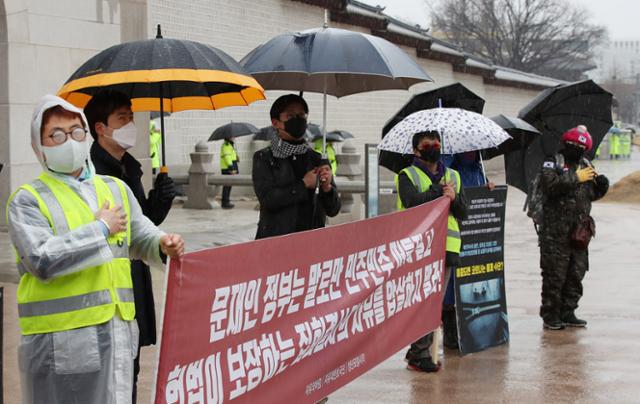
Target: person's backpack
536	197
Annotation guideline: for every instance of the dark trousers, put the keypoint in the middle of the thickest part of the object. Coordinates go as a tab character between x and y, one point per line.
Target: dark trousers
226	191
226	195
420	348
136	371
145	312
563	269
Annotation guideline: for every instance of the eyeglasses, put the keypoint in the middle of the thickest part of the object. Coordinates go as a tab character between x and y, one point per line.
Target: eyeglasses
59	136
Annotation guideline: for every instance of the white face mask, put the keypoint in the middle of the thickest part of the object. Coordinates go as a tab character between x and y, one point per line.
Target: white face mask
67	157
126	135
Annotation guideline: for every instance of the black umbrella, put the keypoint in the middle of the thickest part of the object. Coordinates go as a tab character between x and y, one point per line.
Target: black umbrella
184	74
233	129
313	131
521	167
342	133
451	96
266	133
522	134
156	114
553	112
331	137
332	61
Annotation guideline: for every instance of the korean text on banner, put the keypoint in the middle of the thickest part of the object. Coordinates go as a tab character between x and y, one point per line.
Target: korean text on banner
293	318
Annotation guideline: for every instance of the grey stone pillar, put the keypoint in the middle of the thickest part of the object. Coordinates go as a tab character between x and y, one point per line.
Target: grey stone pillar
348	166
199	193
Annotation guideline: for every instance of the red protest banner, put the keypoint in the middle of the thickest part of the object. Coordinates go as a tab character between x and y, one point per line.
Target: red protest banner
293	318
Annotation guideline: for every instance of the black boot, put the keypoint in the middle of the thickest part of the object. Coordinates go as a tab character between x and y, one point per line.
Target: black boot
570	320
553	324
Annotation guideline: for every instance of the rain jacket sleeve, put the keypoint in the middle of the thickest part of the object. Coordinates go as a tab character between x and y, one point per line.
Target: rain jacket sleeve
459	206
274	197
46	255
331	201
555	181
145	236
410	196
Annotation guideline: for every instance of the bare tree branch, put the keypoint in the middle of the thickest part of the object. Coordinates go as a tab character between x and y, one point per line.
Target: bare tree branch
542	36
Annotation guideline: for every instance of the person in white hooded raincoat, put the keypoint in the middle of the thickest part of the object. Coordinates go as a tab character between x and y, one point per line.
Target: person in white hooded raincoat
73	233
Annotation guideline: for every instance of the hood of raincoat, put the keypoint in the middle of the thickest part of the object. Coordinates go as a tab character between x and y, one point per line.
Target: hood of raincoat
469	167
50	101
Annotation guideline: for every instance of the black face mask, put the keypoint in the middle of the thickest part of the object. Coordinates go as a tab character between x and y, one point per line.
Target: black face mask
296	127
431	154
573	153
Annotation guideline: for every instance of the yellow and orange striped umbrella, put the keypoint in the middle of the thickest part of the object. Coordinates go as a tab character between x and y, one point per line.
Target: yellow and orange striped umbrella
185	75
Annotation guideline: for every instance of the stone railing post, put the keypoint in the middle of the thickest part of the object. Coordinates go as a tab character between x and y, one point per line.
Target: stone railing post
348	166
199	193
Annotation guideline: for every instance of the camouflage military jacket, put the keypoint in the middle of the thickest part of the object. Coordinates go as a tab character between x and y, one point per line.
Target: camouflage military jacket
565	198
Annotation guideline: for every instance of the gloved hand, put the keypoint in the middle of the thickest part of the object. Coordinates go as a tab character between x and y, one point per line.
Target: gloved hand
165	188
602	183
437	189
585	174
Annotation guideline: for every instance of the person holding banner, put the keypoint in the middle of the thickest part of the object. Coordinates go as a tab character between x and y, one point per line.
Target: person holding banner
423	181
569	185
294	185
73	233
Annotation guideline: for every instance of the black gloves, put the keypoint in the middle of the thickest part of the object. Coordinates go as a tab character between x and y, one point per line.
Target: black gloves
602	183
436	189
165	188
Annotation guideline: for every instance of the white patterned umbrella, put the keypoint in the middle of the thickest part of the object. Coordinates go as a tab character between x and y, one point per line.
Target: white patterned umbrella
460	131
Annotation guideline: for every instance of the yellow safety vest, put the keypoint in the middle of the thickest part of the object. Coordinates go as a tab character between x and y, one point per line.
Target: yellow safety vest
227	155
87	297
155	143
422	182
331	153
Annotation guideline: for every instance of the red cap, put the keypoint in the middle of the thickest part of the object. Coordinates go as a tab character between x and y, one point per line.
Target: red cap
579	136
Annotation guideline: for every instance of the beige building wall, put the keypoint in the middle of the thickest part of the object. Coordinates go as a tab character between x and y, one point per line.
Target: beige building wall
43	42
238	26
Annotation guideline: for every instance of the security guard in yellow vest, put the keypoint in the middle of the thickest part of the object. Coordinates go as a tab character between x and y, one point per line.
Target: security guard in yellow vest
228	166
73	233
155	146
423	181
331	153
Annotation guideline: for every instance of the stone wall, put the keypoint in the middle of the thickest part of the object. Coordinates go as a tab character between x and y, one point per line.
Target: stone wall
239	26
42	42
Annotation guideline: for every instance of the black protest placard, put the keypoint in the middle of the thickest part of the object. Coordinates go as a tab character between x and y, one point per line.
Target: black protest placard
481	304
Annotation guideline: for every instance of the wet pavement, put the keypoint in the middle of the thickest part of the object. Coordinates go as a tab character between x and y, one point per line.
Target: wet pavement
597	364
